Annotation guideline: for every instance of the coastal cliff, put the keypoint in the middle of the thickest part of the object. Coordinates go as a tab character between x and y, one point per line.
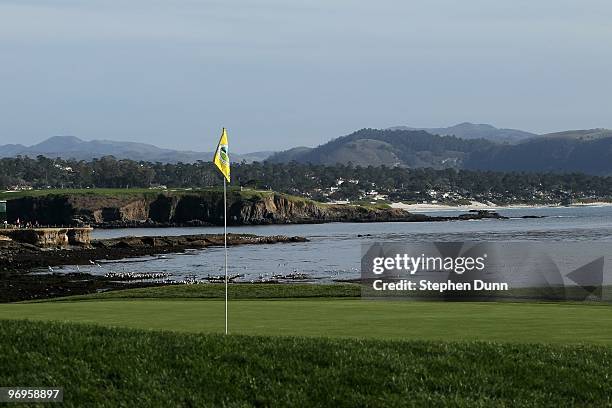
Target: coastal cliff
197	208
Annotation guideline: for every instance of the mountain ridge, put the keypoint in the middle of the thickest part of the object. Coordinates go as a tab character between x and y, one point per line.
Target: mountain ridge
405	148
583	150
72	147
587	151
468	130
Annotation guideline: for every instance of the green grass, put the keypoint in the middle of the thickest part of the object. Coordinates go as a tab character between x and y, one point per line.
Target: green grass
442	321
217	291
306	345
246	194
83	191
306	290
119	367
376	205
125	191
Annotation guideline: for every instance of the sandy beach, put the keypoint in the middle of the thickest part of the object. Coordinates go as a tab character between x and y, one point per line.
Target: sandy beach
476	205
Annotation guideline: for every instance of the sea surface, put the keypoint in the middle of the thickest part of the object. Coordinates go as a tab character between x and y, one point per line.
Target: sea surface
334	250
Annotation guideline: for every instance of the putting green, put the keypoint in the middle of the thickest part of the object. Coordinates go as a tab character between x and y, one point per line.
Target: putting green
515	322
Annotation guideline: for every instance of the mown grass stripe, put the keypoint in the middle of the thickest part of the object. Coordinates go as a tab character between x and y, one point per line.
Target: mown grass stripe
446	321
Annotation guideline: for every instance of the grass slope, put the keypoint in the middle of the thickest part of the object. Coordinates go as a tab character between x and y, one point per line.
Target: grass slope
448	321
118	367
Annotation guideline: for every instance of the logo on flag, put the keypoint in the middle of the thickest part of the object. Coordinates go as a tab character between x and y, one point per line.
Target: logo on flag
223	154
221	159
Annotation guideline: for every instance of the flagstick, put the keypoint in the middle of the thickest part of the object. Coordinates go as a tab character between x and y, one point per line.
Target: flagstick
225	243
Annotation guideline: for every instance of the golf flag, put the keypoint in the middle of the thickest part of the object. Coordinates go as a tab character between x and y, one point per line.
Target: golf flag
222	160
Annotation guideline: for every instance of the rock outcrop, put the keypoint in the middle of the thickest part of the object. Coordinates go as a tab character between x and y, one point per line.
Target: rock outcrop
18	256
200	208
49	237
17	259
205	208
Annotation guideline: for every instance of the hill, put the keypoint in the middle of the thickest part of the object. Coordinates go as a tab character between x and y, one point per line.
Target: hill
580	135
467	130
584	151
404	148
587	151
71	147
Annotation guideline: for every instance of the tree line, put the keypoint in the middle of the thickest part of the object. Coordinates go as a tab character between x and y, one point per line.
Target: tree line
321	182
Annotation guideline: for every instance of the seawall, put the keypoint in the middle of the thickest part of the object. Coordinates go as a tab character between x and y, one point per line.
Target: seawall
50	237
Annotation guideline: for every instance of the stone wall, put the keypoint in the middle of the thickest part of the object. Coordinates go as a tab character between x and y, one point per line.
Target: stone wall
50	237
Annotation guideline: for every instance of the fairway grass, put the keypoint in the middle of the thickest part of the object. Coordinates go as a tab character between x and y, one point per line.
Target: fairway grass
112	367
559	323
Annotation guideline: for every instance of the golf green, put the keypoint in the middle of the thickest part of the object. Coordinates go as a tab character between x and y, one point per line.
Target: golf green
448	321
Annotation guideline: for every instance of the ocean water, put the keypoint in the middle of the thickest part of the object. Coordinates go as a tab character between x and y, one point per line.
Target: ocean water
334	249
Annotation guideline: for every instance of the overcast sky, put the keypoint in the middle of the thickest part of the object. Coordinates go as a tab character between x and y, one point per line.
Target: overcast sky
284	73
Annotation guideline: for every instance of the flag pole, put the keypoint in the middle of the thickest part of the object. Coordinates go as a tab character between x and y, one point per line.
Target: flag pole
221	160
225	243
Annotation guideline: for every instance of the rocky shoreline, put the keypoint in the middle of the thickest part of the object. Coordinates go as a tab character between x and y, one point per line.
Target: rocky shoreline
19	287
386	215
22	257
17	259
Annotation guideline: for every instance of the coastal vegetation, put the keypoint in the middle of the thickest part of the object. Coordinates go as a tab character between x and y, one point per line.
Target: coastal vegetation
344	182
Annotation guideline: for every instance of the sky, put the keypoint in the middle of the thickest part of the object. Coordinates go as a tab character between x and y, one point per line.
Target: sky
285	73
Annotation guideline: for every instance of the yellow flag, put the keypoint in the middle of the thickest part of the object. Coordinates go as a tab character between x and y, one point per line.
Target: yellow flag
222	160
